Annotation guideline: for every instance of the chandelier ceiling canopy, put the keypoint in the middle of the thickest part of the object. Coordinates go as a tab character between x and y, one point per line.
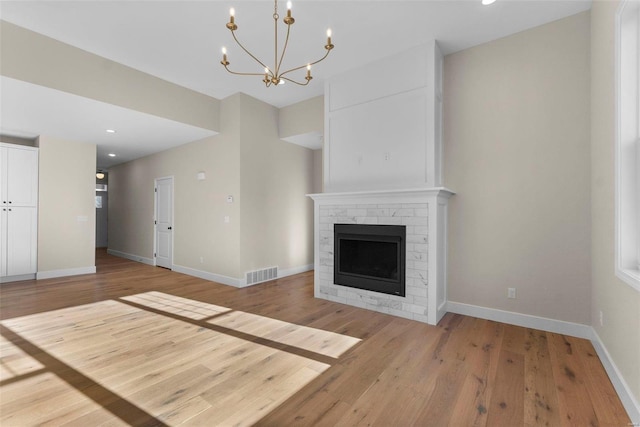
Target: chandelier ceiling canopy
274	75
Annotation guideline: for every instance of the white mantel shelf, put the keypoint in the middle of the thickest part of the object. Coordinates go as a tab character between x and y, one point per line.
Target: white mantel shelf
391	193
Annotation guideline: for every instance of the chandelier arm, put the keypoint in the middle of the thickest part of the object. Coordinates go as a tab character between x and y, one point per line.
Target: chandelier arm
248	53
293	81
304	66
226	67
284	49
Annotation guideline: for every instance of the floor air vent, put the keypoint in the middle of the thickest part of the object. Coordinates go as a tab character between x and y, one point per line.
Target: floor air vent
262	275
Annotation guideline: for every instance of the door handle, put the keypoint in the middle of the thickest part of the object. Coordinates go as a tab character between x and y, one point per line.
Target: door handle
168	228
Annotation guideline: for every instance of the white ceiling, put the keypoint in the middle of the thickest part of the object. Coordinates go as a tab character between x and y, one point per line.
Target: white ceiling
63	115
180	41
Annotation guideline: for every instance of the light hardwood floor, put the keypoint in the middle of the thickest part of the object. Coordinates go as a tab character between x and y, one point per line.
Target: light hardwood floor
138	345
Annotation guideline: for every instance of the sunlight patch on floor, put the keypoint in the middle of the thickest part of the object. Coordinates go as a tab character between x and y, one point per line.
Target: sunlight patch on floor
179	372
311	339
45	398
15	362
184	307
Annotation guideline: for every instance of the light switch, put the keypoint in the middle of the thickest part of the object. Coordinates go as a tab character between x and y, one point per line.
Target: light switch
226	218
229	199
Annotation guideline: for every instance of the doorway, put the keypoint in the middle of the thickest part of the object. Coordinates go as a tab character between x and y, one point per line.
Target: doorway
163	251
102	210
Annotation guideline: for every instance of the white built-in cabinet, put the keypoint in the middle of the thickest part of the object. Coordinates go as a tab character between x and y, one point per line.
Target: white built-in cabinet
19	212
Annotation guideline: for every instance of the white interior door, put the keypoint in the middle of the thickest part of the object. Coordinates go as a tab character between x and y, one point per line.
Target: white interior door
164	222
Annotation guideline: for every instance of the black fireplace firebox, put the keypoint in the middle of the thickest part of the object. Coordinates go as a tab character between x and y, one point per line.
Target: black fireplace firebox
370	257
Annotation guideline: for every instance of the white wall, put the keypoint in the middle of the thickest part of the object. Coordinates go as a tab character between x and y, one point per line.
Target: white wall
619	302
66	207
517	153
384	136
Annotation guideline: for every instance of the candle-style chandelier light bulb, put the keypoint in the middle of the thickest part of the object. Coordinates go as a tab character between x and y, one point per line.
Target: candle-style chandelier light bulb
273	76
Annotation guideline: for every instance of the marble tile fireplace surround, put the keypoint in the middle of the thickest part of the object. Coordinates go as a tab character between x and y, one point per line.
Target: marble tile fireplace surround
423	212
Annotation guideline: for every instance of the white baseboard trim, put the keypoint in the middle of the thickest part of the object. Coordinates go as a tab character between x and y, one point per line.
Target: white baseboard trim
559	327
629	402
295	270
542	323
9	279
218	278
232	281
50	274
136	258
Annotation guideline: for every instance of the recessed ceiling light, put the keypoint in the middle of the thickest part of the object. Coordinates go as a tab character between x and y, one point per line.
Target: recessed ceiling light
111	131
111	155
488	2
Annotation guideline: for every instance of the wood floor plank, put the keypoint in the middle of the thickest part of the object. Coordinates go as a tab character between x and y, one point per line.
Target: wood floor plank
575	405
603	395
514	339
506	407
144	346
443	387
473	401
388	390
540	394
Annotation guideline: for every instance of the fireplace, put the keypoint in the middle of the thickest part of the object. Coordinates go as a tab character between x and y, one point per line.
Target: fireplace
423	213
370	257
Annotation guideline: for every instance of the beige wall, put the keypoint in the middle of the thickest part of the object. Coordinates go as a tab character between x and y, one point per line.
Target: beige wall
199	206
302	118
276	216
66	198
516	138
37	59
270	218
318	180
619	303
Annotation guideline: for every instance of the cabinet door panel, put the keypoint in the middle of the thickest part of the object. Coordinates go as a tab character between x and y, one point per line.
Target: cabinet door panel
21	252
3	177
3	241
22	177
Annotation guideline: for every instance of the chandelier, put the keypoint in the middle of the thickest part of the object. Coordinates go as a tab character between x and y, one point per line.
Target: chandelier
273	75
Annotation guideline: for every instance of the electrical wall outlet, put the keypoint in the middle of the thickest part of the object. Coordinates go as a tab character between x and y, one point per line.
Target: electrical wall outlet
511	293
